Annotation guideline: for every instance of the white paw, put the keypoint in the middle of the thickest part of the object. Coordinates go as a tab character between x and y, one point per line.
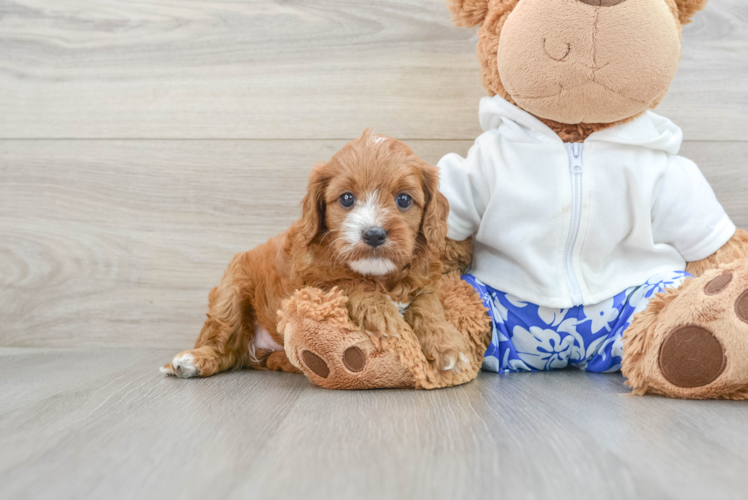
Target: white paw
456	364
183	366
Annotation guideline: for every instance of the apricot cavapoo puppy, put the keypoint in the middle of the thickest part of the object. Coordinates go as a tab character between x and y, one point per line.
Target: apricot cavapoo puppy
373	224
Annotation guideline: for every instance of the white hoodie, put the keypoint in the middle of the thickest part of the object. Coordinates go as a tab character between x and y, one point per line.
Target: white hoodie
560	224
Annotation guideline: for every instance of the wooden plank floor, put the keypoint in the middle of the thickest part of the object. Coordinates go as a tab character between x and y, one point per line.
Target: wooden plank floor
103	423
143	143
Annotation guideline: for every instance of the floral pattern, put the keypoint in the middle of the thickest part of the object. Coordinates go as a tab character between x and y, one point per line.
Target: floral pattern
527	337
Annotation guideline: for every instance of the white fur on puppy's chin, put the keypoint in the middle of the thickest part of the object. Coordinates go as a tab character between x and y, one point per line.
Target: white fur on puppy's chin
373	266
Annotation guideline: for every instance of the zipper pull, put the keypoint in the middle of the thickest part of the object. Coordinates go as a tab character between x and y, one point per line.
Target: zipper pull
576	152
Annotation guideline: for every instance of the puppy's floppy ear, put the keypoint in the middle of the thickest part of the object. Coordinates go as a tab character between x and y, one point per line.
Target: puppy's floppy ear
313	206
468	13
688	8
436	210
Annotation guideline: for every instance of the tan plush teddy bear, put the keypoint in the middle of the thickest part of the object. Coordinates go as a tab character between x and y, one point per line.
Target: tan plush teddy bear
584	217
594	244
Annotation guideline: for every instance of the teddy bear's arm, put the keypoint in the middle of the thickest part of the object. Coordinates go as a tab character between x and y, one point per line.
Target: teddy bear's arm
736	248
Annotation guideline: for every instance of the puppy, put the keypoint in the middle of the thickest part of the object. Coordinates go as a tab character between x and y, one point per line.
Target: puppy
373	224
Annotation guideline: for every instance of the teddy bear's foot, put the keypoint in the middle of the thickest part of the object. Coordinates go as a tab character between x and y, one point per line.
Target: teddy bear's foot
692	342
321	341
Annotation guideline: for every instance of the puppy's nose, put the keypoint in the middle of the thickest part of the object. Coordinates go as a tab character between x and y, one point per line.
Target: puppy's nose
375	236
602	3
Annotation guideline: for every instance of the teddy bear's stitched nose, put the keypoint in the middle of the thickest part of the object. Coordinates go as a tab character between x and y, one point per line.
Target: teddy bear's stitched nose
602	3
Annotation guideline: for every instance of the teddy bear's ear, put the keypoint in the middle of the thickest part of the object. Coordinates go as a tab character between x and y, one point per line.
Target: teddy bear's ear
468	13
688	8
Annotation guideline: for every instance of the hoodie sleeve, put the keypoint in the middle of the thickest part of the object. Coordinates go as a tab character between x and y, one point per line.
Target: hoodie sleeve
687	214
465	184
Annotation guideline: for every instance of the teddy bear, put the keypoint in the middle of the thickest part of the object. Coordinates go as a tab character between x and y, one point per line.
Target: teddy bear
591	242
321	340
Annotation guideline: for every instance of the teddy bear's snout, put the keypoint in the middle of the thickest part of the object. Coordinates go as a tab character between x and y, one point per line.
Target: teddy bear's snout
601	64
602	3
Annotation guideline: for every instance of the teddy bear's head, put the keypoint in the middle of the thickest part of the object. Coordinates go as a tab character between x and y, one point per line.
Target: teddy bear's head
579	65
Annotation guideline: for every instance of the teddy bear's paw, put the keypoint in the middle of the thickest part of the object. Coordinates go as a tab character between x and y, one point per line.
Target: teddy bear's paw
340	365
696	342
353	360
332	352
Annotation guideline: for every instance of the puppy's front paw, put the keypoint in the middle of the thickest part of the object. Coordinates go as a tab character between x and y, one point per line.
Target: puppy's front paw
183	366
451	360
380	326
445	347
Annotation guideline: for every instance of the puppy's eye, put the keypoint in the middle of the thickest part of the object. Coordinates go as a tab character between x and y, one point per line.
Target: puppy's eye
404	201
347	200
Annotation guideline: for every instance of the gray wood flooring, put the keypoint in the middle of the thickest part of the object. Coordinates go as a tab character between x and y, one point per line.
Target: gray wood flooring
143	143
103	423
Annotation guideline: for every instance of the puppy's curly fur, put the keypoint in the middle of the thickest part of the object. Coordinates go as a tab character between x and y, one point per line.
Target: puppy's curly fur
390	286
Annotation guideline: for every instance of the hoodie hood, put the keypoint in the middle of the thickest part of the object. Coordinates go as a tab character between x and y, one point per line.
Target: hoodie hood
650	130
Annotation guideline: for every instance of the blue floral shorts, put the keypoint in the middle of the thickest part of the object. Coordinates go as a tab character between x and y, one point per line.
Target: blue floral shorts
527	337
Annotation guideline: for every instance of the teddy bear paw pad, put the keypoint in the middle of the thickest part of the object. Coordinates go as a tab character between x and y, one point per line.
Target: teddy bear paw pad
741	307
354	359
700	339
315	364
691	356
718	284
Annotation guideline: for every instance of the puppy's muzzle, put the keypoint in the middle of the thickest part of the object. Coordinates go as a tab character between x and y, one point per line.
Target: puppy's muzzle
375	236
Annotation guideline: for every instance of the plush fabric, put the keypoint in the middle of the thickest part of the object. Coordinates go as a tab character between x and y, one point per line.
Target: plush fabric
720	312
584	68
584	65
321	340
688	8
491	16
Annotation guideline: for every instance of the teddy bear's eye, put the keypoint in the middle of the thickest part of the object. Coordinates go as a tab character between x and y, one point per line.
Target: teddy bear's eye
347	200
404	201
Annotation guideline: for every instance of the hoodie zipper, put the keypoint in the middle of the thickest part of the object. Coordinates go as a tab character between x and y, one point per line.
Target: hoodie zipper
576	168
